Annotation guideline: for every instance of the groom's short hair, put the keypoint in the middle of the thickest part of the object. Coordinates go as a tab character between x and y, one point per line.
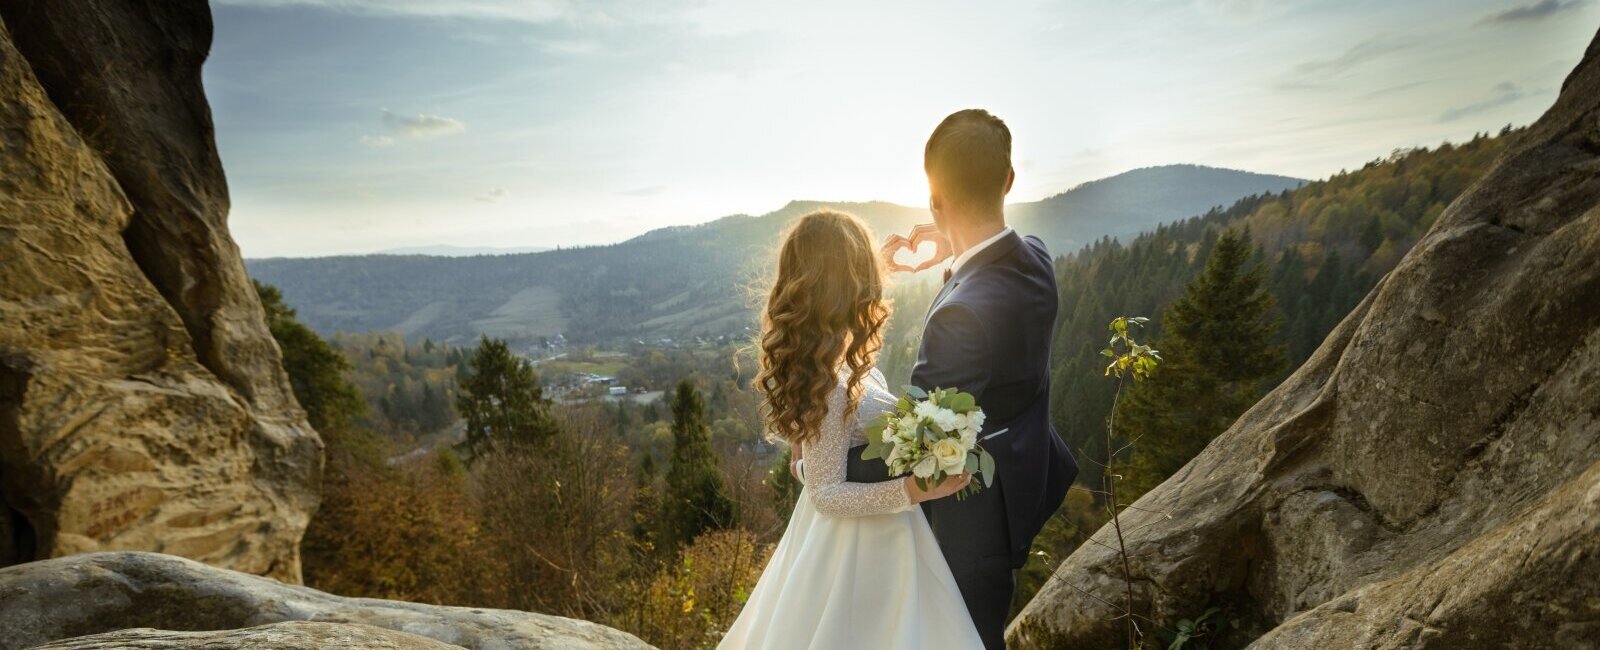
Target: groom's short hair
968	158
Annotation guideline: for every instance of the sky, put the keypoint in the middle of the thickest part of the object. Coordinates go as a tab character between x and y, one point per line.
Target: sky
350	126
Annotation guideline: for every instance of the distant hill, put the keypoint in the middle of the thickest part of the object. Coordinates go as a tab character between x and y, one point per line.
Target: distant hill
444	250
1132	202
685	280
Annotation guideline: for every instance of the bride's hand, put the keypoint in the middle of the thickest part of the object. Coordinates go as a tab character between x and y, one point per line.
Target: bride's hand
949	486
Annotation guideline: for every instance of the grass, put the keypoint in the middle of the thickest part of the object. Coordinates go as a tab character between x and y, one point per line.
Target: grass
559	366
531	313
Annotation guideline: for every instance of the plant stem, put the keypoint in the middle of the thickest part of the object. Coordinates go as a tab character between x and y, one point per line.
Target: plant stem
1116	521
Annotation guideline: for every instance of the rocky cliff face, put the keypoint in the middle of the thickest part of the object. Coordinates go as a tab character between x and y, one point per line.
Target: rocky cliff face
147	600
1431	477
142	400
275	636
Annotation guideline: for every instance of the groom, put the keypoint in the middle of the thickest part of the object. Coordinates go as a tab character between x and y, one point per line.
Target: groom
988	333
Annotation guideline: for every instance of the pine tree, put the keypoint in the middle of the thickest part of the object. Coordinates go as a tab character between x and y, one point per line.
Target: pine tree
502	401
435	408
697	499
316	371
1219	342
646	503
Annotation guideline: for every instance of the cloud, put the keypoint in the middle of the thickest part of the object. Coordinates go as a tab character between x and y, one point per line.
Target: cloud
1532	12
421	126
537	12
1363	52
1502	94
411	127
651	190
1391	90
494	195
533	11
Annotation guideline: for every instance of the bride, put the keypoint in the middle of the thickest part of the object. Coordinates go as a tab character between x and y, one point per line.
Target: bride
858	566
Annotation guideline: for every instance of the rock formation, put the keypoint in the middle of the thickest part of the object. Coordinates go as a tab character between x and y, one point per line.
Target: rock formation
142	400
96	593
1431	477
277	636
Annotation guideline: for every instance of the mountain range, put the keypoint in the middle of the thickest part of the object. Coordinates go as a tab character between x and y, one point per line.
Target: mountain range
700	280
446	250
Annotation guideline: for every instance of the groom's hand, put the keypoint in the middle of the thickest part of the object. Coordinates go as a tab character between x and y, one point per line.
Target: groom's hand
920	234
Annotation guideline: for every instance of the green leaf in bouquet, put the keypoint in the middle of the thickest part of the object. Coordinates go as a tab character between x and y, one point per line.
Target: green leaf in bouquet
963	403
875	449
875	430
916	393
972	462
986	466
903	406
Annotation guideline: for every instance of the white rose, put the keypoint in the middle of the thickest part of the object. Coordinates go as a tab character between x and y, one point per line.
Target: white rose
950	454
925	409
969	438
925	467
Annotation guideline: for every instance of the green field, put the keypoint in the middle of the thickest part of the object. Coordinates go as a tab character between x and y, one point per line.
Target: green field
596	367
530	313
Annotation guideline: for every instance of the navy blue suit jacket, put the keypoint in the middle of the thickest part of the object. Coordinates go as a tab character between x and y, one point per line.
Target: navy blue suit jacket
989	333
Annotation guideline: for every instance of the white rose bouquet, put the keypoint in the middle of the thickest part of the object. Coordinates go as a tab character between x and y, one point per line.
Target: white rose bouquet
932	436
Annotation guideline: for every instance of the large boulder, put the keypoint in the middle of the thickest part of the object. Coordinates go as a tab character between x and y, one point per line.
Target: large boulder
142	400
1430	478
276	636
95	593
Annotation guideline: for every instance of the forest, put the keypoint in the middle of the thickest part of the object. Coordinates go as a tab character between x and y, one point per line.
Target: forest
456	476
1299	262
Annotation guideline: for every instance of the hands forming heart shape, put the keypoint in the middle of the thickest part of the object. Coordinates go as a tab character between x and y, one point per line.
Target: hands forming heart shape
920	234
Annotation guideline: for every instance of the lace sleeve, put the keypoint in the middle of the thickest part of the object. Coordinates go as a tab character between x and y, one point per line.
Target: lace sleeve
825	461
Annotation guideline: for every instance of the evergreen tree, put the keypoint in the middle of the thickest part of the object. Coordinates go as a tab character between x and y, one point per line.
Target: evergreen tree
1372	234
435	408
697	499
315	369
1220	350
502	401
646	503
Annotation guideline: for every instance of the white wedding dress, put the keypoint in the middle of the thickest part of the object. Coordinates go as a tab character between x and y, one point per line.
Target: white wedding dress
858	566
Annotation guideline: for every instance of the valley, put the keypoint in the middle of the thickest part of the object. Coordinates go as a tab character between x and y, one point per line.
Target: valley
686	281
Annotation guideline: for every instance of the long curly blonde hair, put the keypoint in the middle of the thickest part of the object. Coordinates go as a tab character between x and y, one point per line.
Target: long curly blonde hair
825	312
